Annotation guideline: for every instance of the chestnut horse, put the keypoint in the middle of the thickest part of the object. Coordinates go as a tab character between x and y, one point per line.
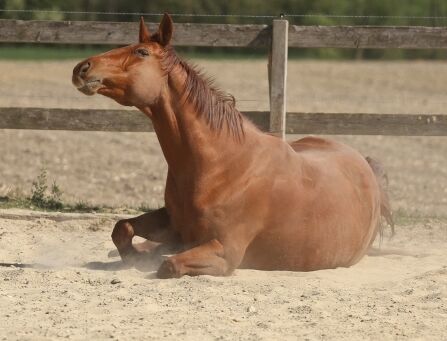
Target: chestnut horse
235	196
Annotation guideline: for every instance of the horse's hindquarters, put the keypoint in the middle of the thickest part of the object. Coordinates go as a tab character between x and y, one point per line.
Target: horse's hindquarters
327	219
309	247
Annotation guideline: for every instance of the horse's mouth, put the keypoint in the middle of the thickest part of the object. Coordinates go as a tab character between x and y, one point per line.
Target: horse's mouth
90	87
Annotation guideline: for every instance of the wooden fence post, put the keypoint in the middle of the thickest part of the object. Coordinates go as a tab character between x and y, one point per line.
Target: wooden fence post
278	77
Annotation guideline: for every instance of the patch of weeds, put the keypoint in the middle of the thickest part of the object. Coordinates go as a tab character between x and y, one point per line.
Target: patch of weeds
14	198
49	198
39	193
82	206
144	208
56	194
39	188
46	198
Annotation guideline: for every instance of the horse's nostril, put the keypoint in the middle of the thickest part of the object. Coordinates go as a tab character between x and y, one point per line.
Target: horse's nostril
84	68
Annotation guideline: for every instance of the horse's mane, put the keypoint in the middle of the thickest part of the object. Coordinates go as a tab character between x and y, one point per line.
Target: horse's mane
217	107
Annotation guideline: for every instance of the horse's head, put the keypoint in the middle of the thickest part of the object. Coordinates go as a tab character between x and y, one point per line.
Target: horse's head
131	75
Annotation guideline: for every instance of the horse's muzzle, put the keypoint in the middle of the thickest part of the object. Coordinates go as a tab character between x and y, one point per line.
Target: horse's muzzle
84	82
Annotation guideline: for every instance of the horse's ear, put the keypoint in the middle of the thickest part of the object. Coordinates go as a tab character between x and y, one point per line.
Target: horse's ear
165	30
145	36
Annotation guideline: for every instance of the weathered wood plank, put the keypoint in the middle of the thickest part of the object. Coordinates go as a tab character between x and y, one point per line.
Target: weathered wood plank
74	119
124	33
278	78
368	37
297	123
367	124
90	119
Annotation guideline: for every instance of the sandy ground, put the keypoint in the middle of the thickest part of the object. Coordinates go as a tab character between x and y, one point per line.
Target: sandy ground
74	291
401	293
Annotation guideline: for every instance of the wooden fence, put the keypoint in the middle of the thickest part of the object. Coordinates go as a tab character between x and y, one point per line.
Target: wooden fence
278	37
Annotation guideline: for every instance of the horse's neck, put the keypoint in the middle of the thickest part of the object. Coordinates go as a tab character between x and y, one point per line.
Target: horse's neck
187	141
169	134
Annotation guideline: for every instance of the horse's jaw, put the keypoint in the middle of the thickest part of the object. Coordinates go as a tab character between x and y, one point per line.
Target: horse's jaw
95	86
88	87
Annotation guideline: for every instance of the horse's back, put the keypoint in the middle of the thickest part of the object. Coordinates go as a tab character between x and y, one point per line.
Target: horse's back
329	156
317	145
314	143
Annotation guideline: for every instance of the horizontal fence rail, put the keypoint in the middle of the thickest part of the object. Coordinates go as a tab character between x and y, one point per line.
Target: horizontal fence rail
225	35
297	123
124	33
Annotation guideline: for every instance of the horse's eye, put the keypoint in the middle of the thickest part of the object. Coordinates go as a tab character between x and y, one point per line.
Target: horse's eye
142	52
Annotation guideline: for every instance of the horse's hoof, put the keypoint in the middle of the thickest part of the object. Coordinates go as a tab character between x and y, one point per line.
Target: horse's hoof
168	269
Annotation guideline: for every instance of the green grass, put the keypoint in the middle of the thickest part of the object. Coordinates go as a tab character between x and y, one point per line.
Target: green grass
48	205
25	202
58	52
42	52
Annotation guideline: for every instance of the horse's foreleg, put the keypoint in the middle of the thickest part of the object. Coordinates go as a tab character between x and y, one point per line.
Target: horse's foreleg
210	258
153	226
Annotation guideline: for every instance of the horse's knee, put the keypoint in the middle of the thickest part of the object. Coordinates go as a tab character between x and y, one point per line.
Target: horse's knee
122	234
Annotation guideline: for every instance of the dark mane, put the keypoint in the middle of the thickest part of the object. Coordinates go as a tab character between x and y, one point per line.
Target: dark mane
215	105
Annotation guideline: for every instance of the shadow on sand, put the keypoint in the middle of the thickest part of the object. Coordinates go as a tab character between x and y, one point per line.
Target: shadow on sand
25	265
143	265
107	266
377	252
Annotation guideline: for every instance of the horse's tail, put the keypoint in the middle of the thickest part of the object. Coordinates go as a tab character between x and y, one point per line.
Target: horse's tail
382	180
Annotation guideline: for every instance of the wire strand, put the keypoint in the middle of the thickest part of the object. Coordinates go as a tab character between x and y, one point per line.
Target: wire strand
192	15
341	16
137	13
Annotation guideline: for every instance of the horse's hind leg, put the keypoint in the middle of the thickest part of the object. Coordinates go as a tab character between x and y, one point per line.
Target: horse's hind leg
153	226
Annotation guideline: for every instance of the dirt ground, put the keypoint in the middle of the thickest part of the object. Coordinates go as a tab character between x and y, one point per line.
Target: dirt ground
399	293
72	290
